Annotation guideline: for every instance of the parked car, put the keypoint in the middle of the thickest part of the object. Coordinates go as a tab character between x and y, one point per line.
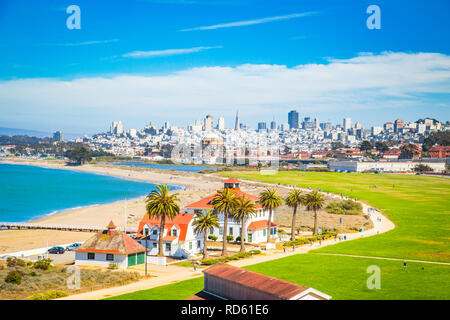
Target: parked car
57	250
73	246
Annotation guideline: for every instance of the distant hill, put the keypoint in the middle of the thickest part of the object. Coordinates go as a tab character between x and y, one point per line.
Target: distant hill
35	133
23	132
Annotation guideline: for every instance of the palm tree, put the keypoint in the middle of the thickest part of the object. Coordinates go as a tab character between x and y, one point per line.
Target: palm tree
203	223
244	209
314	201
161	204
270	200
293	200
225	202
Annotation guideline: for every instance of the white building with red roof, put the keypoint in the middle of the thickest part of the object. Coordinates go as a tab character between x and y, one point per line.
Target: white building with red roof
255	226
110	246
179	237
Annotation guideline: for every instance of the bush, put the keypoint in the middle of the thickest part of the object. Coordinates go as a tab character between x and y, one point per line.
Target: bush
211	237
238	239
230	238
43	264
33	273
345	207
240	255
14	277
302	241
13	261
49	295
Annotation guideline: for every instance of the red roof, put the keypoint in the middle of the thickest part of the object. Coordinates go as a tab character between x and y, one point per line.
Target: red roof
111	225
205	203
231	180
182	221
261	224
278	288
111	242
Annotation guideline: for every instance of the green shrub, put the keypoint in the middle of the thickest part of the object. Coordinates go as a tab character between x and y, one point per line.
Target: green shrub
303	241
49	295
238	239
345	207
43	264
13	261
14	277
237	256
113	265
230	238
33	273
211	237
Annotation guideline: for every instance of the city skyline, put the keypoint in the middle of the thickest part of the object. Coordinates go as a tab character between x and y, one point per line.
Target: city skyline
186	59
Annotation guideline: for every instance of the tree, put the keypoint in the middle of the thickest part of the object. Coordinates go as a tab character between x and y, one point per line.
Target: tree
244	209
423	168
80	155
270	200
293	200
365	146
204	222
337	145
224	202
161	204
409	151
314	201
381	146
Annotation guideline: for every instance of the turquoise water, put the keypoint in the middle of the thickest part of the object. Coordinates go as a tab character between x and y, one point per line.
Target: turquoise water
29	192
187	168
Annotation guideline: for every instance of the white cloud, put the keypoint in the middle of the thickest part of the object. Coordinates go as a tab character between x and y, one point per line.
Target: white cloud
166	52
251	22
388	80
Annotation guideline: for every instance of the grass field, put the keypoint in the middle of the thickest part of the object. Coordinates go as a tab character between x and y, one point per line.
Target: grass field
418	205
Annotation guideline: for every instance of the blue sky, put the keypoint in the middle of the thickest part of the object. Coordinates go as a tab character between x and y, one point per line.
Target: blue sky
160	42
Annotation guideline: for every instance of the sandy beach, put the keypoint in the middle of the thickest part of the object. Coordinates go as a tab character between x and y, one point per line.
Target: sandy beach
196	186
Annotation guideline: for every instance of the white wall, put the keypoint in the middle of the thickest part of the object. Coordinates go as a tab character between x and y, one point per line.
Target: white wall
100	259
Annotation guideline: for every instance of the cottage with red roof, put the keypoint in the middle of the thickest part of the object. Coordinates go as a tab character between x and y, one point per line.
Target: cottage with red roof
110	246
256	226
179	237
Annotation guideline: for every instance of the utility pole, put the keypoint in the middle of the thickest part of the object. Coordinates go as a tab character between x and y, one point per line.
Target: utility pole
146	256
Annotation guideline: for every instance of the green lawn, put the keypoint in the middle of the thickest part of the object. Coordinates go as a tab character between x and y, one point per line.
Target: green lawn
418	205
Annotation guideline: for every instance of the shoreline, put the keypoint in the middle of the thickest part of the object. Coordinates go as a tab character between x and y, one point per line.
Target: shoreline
195	186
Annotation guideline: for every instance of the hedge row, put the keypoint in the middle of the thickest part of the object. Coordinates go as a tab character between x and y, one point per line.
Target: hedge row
302	241
240	255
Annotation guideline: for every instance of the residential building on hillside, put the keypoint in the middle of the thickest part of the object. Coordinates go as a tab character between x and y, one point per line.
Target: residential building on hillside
384	166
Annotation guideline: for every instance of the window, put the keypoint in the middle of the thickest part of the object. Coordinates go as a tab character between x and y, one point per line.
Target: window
199	244
155	231
155	245
168	247
109	257
220	230
146	231
264	232
174	232
91	256
190	245
273	231
231	231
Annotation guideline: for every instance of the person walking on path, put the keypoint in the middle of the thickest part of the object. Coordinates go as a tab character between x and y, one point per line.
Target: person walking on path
293	247
345	237
405	265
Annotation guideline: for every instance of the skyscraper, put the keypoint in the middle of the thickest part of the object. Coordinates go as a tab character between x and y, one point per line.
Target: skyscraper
237	124
262	126
293	119
116	128
398	124
208	123
221	123
347	123
273	125
58	136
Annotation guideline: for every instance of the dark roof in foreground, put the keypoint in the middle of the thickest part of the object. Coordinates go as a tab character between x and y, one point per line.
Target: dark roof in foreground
273	286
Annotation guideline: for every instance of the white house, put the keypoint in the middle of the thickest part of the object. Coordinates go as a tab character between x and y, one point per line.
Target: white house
255	226
110	246
178	236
